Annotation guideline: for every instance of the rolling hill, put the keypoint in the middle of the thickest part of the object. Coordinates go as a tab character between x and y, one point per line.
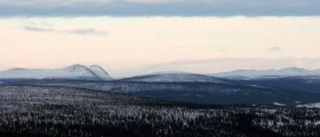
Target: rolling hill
270	73
73	72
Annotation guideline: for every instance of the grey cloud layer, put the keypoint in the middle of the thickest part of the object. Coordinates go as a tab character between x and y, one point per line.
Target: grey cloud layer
160	8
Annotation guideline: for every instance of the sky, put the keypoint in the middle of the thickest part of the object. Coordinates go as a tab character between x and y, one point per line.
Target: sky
133	37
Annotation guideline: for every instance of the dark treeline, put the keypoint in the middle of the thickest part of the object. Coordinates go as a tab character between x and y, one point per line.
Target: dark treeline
27	111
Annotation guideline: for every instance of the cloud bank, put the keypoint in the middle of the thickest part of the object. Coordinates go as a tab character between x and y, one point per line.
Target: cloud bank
159	8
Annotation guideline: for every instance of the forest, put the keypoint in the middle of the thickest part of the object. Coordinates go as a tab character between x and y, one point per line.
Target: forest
30	111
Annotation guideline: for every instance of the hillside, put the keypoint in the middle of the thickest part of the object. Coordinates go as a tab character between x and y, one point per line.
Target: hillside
196	92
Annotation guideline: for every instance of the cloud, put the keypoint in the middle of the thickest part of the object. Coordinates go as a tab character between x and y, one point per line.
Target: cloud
274	49
46	2
30	28
87	31
80	31
151	1
160	8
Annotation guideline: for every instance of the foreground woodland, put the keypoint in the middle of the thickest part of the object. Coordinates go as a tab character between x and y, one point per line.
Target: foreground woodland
29	111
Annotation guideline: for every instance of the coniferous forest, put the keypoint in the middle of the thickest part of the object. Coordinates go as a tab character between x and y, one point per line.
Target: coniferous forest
30	111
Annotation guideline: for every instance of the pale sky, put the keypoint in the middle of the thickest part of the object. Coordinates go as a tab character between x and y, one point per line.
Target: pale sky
160	35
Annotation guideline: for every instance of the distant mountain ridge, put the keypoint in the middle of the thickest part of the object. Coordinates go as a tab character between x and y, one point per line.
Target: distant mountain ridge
74	72
179	86
174	77
96	72
269	73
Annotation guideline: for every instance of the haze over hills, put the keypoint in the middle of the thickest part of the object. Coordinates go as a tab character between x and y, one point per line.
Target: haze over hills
74	72
270	73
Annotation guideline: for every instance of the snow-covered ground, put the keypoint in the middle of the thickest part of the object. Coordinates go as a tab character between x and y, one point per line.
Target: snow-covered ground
311	105
279	104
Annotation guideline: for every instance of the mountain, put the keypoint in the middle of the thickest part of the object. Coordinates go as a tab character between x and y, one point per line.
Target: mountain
174	77
177	86
74	72
99	72
270	73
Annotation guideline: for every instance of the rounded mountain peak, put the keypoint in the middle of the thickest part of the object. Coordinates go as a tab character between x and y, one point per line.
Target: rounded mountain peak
96	66
76	66
99	72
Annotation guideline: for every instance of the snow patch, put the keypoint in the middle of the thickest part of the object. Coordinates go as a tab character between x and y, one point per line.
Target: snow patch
297	102
311	105
279	104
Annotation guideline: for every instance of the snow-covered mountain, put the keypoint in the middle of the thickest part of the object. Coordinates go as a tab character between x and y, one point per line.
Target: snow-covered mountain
175	77
270	73
99	72
75	72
